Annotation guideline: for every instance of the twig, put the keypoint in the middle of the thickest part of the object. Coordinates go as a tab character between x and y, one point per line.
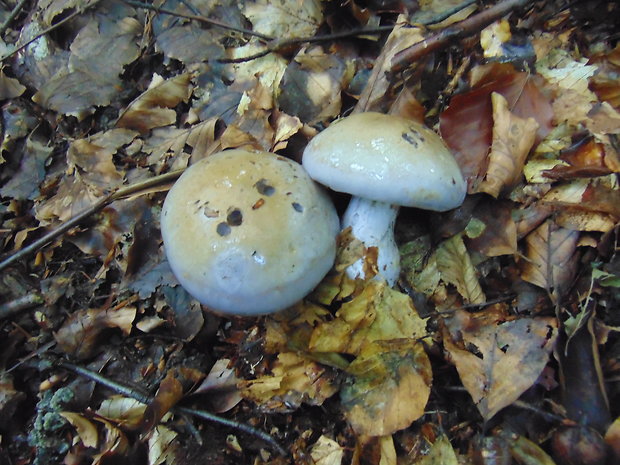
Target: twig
146	399
77	219
14	306
278	44
12	16
77	12
198	18
446	36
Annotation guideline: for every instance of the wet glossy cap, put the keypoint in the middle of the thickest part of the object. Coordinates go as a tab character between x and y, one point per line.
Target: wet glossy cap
387	159
248	232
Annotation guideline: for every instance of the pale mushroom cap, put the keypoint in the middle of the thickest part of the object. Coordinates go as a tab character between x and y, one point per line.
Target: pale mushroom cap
387	159
248	232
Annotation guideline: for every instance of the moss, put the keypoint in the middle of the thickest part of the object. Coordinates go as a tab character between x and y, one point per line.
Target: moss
46	436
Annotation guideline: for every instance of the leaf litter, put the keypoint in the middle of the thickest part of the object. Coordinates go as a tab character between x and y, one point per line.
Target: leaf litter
440	369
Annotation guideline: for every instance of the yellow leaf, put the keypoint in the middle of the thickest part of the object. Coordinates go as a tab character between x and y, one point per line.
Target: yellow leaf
85	428
326	451
388	387
457	269
377	313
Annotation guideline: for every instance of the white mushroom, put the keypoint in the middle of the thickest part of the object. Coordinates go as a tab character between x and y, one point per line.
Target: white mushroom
248	232
385	162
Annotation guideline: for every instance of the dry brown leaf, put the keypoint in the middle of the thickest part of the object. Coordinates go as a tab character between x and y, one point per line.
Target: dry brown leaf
312	85
388	387
326	451
154	108
498	359
374	449
456	268
499	234
162	445
123	411
79	335
93	157
10	87
92	75
401	37
171	143
612	437
220	385
170	391
550	257
286	18
513	138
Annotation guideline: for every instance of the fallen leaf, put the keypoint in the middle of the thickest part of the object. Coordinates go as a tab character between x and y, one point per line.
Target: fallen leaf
550	257
456	268
123	411
155	107
499	231
326	451
10	87
294	380
287	18
79	335
378	313
387	388
440	453
220	385
86	430
162	445
92	76
498	358
513	138
493	37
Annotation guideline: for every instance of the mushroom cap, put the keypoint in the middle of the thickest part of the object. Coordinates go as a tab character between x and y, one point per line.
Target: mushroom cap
386	158
248	232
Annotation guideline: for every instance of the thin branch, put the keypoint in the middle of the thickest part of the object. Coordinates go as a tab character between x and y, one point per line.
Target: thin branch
14	306
96	207
140	396
276	45
198	18
77	12
450	34
12	16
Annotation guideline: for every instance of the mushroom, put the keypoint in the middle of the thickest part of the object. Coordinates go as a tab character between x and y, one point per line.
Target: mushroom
248	233
385	162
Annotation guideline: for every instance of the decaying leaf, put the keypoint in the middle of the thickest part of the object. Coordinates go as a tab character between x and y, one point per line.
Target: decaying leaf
294	379
441	453
456	268
498	358
378	313
220	385
375	449
498	235
550	256
79	335
513	138
388	387
162	445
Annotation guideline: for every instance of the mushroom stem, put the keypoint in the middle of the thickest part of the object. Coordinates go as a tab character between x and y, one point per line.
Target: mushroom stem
372	223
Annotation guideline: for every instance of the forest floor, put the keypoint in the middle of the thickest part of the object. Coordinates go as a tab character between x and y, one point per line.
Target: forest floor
498	344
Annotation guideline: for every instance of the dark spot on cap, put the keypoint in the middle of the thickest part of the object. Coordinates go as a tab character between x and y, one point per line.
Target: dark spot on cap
223	229
234	217
298	207
188	149
264	188
411	137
